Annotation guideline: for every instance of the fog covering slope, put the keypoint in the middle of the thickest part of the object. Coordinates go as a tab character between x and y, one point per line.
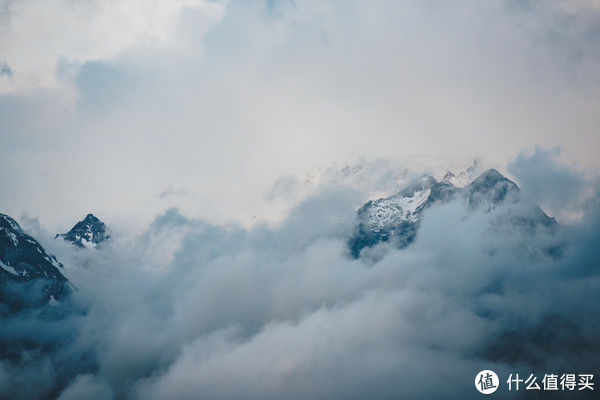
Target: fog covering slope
194	310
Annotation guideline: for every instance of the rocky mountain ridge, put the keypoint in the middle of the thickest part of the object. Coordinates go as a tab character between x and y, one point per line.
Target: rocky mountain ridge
397	218
29	276
87	233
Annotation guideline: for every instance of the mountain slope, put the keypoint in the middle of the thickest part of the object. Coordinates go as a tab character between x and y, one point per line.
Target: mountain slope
29	276
89	232
397	218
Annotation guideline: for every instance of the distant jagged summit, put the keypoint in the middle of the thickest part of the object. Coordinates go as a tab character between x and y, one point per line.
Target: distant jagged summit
397	218
490	188
89	232
462	178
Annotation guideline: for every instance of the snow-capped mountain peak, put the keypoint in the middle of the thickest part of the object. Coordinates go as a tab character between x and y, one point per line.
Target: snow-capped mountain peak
490	188
398	217
462	178
457	180
87	233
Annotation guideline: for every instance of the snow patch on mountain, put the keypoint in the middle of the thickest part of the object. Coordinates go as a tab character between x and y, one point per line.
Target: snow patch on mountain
463	178
9	269
386	211
11	223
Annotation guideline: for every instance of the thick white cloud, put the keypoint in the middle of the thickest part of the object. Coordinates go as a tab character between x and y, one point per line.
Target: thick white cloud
236	96
42	37
223	312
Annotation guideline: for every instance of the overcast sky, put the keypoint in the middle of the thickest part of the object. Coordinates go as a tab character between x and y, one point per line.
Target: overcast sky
124	108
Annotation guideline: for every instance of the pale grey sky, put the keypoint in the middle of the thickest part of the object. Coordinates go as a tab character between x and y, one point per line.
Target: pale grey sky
106	105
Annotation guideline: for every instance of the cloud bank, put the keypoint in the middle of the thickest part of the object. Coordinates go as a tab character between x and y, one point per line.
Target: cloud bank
245	289
192	309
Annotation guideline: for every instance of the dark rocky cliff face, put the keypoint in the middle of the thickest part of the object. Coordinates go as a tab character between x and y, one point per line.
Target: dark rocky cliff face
29	276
